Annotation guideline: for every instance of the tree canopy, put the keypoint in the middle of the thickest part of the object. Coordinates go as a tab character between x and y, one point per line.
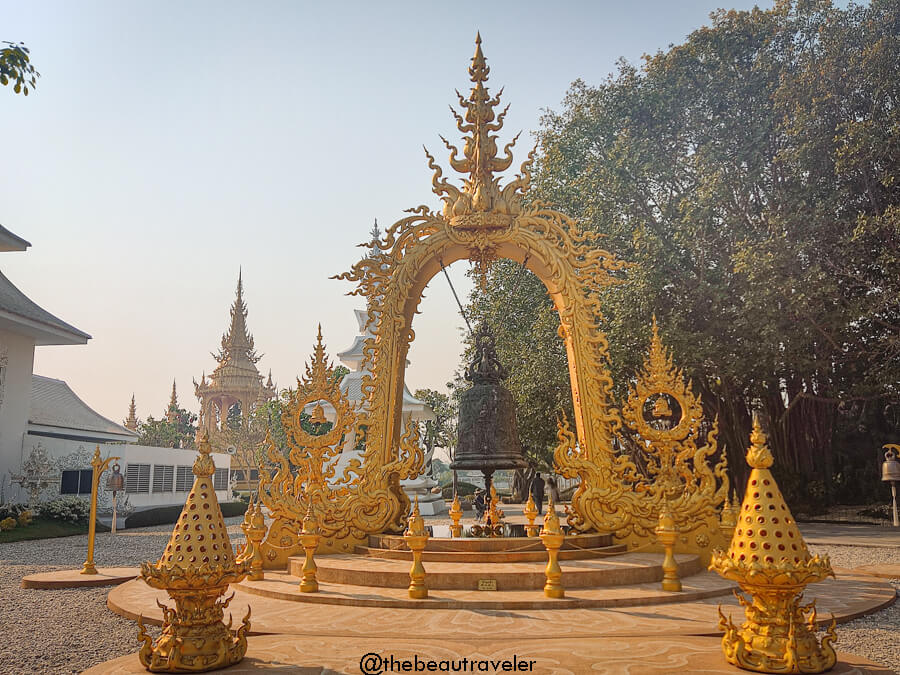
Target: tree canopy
750	175
16	67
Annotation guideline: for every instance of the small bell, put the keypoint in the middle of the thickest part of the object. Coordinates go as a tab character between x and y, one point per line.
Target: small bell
890	468
661	407
318	415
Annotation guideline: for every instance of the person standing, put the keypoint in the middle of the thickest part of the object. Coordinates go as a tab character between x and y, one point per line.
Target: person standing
537	492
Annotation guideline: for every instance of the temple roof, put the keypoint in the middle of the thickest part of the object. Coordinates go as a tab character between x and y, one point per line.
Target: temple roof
11	242
236	371
54	404
19	314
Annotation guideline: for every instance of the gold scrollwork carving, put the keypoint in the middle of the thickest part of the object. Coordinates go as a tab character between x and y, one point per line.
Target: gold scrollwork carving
366	497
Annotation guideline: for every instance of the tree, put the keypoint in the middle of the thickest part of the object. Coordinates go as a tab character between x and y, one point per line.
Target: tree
441	431
16	67
162	433
749	174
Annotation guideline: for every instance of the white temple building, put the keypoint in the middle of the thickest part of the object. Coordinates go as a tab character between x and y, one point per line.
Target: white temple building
430	503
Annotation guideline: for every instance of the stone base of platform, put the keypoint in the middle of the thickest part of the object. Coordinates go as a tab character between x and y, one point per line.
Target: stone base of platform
885	571
106	576
845	599
635	655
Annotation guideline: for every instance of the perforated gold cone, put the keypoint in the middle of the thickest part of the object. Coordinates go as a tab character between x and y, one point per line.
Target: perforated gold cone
766	532
200	538
770	561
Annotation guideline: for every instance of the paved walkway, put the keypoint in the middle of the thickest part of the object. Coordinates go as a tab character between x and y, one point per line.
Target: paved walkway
832	534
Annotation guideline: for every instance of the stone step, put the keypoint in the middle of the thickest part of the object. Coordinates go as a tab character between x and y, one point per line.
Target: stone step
476	544
282	586
620	570
491	557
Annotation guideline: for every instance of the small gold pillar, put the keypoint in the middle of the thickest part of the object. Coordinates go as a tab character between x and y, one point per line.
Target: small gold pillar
768	558
309	540
531	512
667	534
553	537
99	466
456	513
416	537
255	534
728	519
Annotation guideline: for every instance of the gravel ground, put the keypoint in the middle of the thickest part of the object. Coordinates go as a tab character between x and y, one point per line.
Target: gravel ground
66	631
873	636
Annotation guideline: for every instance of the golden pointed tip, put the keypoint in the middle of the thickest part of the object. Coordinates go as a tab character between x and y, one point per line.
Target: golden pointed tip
478	37
758	455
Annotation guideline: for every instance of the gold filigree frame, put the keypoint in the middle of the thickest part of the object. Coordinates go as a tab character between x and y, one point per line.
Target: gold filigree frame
482	221
366	498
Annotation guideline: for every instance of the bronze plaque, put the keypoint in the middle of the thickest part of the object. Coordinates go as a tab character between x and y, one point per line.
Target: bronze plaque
487	584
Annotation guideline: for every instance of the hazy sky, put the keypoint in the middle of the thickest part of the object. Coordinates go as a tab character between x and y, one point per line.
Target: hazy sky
169	143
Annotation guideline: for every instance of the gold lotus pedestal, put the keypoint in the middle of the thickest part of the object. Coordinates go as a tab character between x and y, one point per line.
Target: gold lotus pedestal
667	534
769	560
553	538
309	540
416	537
196	569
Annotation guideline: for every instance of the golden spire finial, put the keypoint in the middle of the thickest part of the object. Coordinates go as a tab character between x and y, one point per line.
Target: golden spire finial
758	456
416	523
131	422
482	203
171	415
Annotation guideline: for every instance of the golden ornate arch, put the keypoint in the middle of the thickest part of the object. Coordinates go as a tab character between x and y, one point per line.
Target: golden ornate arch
481	221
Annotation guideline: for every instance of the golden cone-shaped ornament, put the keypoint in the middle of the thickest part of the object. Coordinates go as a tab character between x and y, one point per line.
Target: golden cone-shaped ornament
196	569
770	561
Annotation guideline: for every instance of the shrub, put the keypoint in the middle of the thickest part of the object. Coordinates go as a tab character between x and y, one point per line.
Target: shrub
11	510
67	510
25	518
7	524
463	489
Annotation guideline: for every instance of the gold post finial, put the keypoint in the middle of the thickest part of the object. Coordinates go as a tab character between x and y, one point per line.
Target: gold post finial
758	455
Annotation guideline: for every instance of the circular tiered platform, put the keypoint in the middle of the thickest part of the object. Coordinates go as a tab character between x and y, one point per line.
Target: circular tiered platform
498	575
501	573
73	578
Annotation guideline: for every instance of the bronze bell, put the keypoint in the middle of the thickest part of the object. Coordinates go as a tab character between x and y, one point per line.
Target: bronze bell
890	468
488	436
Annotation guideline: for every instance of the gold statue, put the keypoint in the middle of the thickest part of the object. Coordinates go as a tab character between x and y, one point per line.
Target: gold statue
416	537
530	513
493	519
769	560
455	513
553	538
366	498
254	527
196	569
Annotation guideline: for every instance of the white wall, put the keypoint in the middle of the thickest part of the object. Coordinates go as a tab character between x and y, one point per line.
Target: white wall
19	350
68	455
